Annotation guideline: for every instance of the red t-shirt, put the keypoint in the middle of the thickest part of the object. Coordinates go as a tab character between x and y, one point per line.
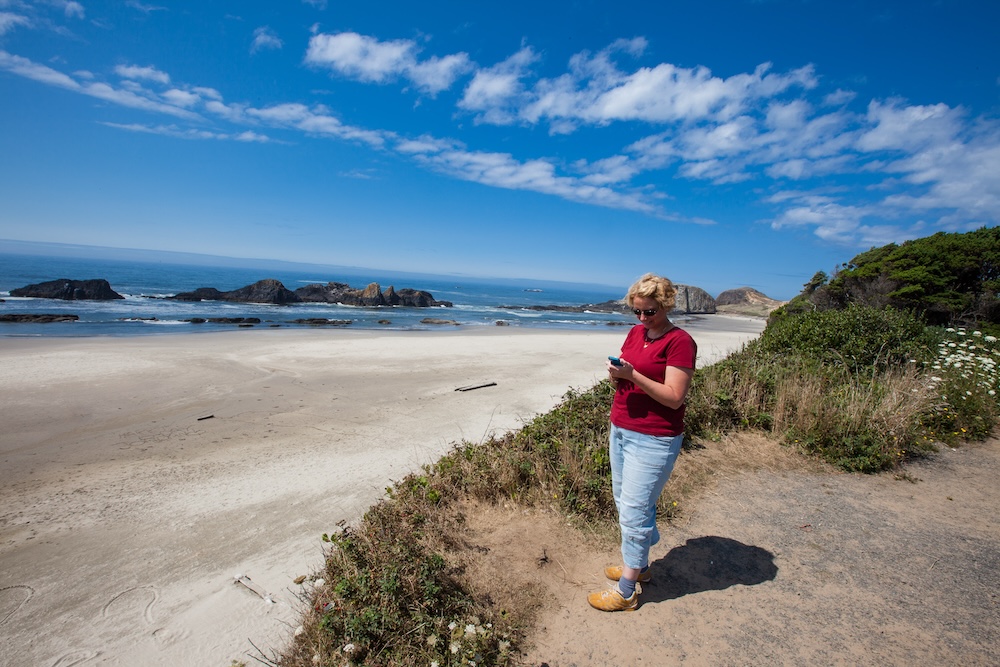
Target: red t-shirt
633	408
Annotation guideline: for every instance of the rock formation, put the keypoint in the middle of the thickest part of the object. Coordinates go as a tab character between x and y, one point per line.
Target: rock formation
746	301
693	300
69	290
39	318
372	295
262	291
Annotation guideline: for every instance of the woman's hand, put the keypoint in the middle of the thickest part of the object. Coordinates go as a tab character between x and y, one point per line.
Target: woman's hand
672	392
623	372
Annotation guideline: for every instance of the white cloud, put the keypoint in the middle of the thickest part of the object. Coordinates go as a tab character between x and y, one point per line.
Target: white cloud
189	133
210	93
367	59
142	73
264	38
136	100
436	74
315	120
234	113
318	4
73	10
144	8
360	56
497	91
9	21
838	98
898	127
424	144
596	91
252	137
609	171
181	98
504	171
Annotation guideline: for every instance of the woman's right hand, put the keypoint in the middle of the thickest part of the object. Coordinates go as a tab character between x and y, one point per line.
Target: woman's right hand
620	372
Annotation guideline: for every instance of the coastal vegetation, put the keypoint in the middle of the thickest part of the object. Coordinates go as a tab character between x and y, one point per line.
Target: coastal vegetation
864	371
947	279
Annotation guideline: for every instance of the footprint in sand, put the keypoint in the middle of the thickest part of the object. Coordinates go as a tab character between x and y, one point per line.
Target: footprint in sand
12	598
140	598
169	636
75	658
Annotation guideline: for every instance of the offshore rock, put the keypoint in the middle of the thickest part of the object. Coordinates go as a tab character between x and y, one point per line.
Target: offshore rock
371	296
69	290
242	321
38	318
322	322
200	294
694	300
434	320
262	291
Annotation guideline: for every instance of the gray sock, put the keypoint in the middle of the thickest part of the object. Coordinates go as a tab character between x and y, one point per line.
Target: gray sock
626	587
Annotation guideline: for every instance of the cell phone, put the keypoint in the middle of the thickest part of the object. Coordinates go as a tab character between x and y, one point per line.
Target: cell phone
615	360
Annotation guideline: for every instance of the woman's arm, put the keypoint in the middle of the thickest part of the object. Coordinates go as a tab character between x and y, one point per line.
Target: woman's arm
671	392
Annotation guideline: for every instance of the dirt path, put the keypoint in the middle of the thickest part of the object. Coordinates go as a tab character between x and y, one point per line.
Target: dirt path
789	567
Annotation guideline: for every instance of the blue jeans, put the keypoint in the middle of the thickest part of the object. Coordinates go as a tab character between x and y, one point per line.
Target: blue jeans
640	467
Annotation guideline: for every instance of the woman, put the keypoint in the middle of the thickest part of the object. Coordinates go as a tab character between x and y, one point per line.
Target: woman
647	429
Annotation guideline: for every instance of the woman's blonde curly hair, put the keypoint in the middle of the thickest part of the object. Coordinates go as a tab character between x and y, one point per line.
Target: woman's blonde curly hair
652	286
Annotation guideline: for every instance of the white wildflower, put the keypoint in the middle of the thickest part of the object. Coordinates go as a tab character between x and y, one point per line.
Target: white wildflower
452	625
432	640
470	630
453	647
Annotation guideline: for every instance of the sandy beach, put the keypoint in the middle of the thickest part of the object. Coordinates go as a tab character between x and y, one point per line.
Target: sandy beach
142	475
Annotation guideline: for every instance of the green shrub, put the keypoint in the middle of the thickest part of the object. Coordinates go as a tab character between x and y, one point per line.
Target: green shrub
857	337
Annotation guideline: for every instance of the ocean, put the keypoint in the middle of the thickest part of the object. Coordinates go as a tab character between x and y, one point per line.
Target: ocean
144	311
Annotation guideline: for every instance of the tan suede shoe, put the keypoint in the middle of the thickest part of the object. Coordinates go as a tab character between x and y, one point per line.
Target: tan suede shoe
614	573
612	600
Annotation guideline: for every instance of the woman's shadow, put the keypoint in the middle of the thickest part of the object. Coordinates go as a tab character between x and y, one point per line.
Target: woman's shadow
708	564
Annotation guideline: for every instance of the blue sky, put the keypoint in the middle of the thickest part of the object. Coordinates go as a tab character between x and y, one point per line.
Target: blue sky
719	143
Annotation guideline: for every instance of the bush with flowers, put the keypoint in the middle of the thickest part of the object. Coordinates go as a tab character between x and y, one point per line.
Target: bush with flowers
965	380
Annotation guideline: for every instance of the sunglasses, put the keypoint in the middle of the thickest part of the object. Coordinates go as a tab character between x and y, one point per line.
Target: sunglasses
648	313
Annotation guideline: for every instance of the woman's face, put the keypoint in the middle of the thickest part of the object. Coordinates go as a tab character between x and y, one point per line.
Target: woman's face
658	317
